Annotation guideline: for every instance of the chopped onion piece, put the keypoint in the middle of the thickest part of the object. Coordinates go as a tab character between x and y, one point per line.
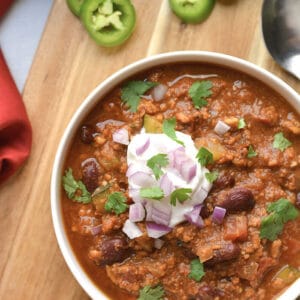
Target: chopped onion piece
121	136
96	229
158	243
131	230
221	127
166	185
159	213
188	170
218	214
199	195
156	230
135	195
159	91
136	212
194	216
143	147
142	179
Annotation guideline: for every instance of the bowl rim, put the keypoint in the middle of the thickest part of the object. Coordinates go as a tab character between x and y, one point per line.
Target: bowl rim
98	92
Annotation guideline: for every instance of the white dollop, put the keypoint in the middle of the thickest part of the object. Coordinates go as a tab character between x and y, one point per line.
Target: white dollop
162	144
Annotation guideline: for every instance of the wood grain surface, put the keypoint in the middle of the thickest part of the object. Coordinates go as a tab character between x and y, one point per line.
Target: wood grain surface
67	66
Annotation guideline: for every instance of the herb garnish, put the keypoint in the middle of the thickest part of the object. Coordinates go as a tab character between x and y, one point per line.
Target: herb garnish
211	176
131	93
280	142
156	162
241	123
181	195
155	193
199	91
151	293
251	152
280	212
116	202
197	270
75	190
205	157
169	130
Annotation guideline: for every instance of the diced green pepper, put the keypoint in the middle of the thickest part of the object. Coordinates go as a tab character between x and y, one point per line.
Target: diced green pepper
152	125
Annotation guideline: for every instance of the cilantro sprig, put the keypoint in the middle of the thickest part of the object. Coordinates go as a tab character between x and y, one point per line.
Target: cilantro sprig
131	93
205	157
156	162
196	270
155	193
151	293
169	130
280	142
251	152
212	176
75	190
180	195
116	202
199	91
280	212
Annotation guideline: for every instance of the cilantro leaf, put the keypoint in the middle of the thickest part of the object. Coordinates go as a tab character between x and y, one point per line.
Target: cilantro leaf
151	293
211	176
169	130
181	195
116	202
196	270
204	157
156	162
75	190
241	123
131	92
199	91
280	142
251	152
155	193
281	212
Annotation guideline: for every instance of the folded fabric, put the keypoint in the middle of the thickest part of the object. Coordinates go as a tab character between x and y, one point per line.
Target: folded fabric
15	129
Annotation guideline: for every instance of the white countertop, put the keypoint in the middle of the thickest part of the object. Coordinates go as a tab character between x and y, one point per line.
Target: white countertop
20	32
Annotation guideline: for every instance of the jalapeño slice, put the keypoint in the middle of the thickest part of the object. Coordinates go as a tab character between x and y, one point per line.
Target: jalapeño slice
109	22
192	11
75	6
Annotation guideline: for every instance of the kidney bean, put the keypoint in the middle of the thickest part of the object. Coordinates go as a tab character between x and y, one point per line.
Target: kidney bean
113	249
204	213
224	181
207	292
228	251
238	199
86	134
90	173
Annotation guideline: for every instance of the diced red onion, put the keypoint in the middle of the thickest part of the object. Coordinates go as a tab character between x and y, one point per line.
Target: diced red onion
166	184
188	170
136	212
156	230
206	185
131	230
96	229
158	243
218	214
135	195
194	216
121	136
199	195
221	127
159	91
172	154
142	179
143	146
159	213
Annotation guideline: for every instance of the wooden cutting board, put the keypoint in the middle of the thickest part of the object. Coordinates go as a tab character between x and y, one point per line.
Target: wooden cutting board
67	66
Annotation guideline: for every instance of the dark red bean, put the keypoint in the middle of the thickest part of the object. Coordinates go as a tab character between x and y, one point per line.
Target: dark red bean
297	203
207	292
114	249
90	173
228	251
204	213
238	199
224	181
86	134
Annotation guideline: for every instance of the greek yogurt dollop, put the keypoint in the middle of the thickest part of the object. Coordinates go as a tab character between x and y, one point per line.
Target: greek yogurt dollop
183	171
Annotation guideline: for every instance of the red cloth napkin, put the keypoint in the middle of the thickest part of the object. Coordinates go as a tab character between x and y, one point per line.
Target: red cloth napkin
15	129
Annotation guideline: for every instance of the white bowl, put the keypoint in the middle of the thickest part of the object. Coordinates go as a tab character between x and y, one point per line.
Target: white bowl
100	91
